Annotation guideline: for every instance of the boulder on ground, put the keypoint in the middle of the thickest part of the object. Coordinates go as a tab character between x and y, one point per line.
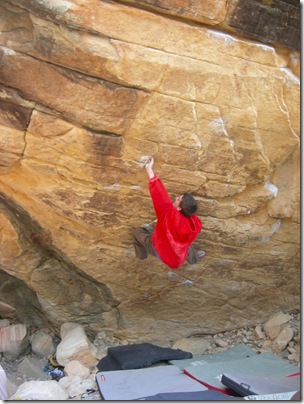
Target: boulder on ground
13	341
282	340
273	326
43	344
196	346
75	368
40	390
30	367
75	345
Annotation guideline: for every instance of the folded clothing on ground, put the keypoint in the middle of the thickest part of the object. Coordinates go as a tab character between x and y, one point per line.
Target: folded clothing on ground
136	356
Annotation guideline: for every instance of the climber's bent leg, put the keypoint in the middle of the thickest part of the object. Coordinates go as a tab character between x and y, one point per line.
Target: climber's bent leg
142	241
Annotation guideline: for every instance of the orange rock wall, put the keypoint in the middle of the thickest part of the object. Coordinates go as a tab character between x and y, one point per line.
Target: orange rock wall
88	88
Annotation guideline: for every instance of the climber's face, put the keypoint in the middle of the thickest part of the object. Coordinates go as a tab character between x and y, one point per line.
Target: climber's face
177	202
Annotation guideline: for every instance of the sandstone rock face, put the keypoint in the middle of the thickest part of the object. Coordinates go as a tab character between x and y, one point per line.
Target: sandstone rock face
90	87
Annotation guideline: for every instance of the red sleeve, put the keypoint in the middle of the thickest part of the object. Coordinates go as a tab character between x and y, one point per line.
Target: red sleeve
160	197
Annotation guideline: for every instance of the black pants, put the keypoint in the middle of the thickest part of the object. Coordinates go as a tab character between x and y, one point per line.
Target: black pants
142	241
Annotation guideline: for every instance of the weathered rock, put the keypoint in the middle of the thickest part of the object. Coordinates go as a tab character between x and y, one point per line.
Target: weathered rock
30	367
271	21
76	368
40	390
14	340
259	332
196	346
267	21
294	357
8	311
75	386
221	343
273	326
87	90
282	339
4	323
267	344
43	344
75	345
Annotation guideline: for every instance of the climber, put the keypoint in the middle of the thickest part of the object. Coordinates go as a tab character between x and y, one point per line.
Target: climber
177	226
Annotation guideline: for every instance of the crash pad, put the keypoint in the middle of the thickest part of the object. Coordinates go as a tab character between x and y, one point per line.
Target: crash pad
238	352
136	356
262	365
136	383
293	395
245	385
208	395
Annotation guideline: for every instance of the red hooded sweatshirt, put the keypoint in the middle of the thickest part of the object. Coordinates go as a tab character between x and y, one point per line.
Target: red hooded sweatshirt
173	232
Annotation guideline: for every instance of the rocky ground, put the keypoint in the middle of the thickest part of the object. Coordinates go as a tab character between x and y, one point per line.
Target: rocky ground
255	337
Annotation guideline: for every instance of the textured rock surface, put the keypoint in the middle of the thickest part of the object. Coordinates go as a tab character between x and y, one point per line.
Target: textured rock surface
87	89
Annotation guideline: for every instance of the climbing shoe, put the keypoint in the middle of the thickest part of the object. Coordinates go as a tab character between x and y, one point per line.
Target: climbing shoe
200	254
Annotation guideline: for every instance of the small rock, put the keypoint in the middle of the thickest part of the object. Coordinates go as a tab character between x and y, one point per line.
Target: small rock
221	343
291	356
43	344
74	368
266	344
258	332
282	340
196	346
40	390
30	368
75	386
272	327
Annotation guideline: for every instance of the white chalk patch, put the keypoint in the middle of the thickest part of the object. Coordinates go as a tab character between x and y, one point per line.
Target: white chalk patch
228	39
276	226
188	282
218	125
272	188
59	6
199	143
265	239
293	79
8	51
113	187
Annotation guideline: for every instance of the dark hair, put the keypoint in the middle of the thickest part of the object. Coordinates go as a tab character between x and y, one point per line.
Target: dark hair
188	205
